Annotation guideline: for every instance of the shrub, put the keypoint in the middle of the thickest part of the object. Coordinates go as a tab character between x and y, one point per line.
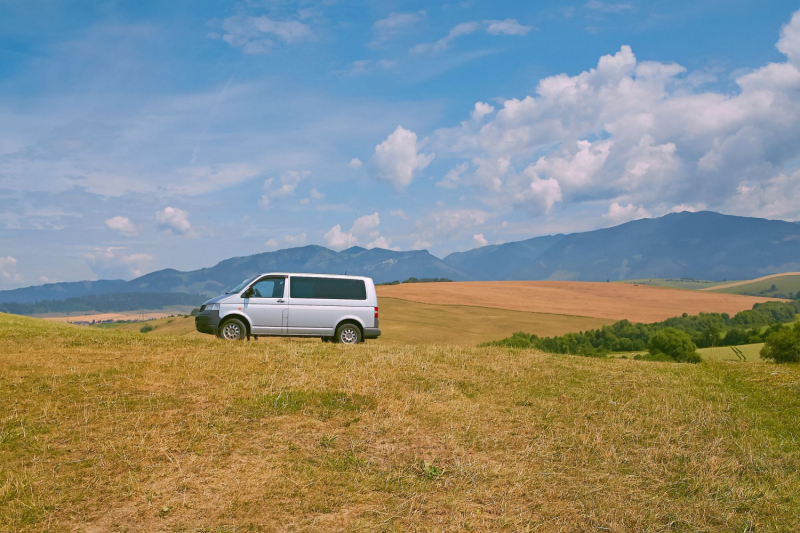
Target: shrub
195	311
674	343
783	346
146	328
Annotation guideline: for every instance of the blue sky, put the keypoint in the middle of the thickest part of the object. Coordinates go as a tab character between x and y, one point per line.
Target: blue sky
143	135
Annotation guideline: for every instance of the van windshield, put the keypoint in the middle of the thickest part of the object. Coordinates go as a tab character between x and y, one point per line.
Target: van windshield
242	285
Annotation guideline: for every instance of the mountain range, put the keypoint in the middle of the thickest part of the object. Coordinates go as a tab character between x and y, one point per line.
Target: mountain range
702	245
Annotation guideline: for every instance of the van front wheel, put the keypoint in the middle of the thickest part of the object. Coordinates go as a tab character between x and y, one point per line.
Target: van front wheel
348	334
232	330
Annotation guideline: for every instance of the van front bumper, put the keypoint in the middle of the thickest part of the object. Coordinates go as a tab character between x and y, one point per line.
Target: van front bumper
372	333
207	322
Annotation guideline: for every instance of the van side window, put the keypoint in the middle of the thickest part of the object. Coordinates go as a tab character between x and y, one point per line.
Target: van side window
328	288
269	288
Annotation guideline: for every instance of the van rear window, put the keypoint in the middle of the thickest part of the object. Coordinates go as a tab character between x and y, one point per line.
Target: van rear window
327	288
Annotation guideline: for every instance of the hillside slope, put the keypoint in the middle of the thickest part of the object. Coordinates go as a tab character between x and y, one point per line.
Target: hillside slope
118	431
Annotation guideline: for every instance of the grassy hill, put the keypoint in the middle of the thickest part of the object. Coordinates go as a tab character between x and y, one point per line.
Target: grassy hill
110	430
776	285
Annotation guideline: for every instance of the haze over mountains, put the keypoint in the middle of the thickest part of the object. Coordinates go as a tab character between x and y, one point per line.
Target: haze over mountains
703	245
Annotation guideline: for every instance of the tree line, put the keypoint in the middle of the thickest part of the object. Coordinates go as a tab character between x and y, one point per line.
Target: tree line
104	303
676	338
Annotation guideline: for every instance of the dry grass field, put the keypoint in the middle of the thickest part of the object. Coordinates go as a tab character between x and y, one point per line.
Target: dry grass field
407	322
104	430
614	301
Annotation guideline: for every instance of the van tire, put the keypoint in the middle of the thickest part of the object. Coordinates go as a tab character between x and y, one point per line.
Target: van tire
232	329
348	333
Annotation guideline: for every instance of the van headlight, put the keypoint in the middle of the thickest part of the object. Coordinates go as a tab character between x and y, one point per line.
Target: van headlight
212	307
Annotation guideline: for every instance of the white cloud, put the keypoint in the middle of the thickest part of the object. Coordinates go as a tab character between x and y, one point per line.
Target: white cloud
644	131
300	238
282	187
397	160
479	240
492	27
365	227
382	242
315	194
506	27
114	263
8	270
399	213
122	225
446	225
789	43
393	25
271	243
481	110
174	220
453	176
624	213
355	163
257	35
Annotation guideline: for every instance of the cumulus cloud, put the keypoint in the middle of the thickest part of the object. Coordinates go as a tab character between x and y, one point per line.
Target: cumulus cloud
114	263
282	187
271	243
624	213
355	163
365	227
492	27
8	270
123	225
481	110
174	220
398	160
300	238
257	35
479	240
399	213
645	131
453	176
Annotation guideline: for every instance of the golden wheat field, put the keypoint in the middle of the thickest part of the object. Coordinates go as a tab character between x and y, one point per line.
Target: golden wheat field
104	430
612	301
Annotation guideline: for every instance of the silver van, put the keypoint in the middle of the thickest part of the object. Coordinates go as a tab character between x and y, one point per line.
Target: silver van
335	308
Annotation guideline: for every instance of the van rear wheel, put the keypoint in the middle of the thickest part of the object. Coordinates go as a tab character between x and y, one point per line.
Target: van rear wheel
348	334
232	329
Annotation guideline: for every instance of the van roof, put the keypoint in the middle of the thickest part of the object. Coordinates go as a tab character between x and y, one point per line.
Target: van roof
310	275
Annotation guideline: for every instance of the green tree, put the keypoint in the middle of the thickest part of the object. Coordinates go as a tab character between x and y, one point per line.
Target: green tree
674	343
783	346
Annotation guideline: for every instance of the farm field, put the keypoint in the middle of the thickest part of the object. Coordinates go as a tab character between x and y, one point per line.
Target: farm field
111	431
407	322
726	353
673	283
784	284
122	315
613	301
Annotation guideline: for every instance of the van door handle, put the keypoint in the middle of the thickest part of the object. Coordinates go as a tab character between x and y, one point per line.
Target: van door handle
281	301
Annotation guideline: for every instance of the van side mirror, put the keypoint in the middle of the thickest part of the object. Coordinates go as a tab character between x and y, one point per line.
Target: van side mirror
248	293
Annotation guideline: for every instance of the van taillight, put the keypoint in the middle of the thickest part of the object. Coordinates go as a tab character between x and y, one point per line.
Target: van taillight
376	312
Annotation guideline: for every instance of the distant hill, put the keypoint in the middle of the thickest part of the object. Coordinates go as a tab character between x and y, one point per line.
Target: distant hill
104	303
702	245
379	264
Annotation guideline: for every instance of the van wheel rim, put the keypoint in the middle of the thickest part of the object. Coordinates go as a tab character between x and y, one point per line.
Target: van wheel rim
231	332
349	336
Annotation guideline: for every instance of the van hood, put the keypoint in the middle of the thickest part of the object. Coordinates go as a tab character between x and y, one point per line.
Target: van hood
219	299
